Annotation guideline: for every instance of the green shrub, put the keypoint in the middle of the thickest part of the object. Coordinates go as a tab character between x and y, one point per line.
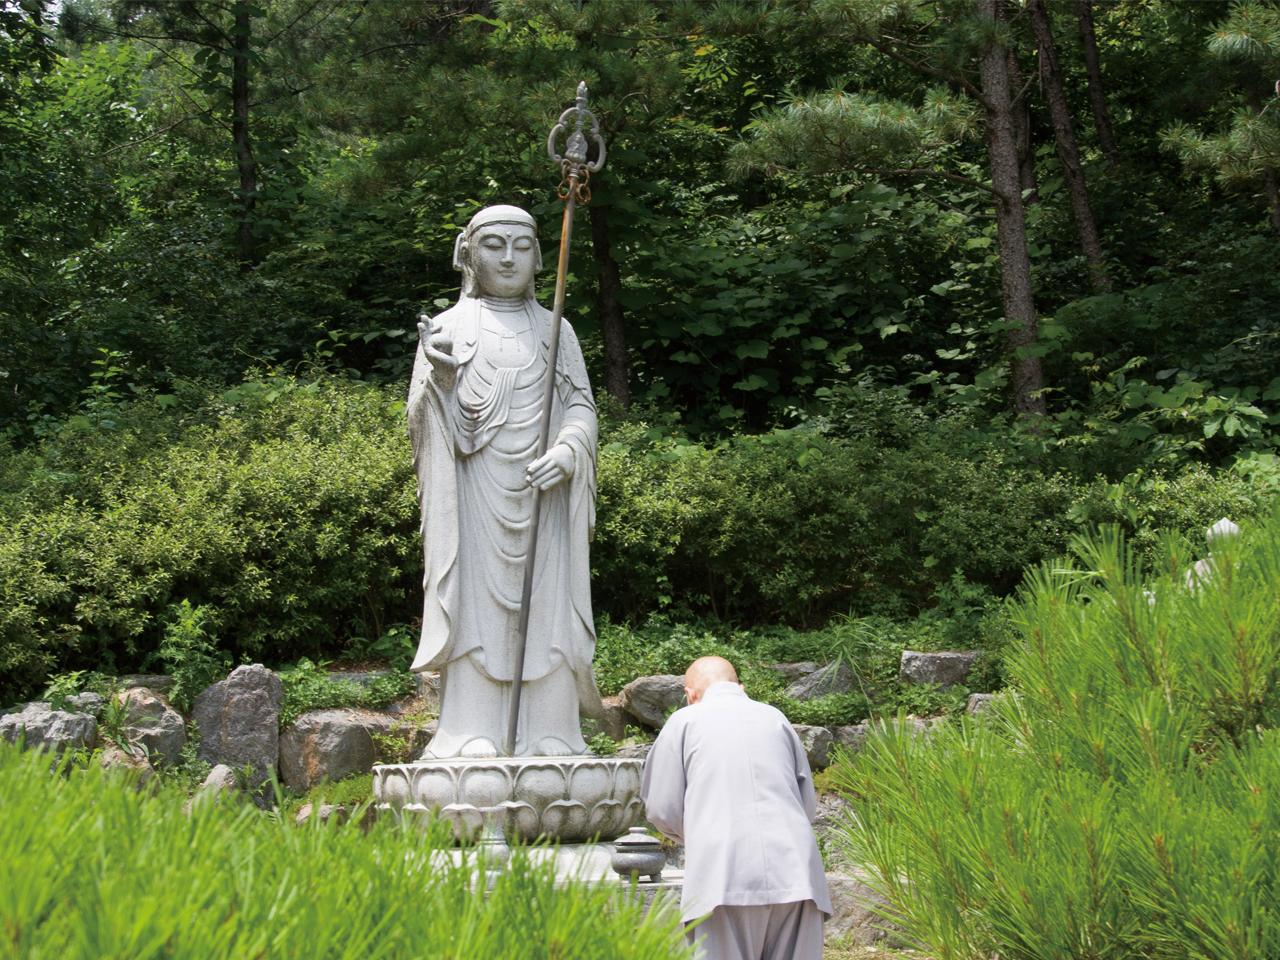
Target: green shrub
291	520
92	869
308	686
286	513
192	655
1125	803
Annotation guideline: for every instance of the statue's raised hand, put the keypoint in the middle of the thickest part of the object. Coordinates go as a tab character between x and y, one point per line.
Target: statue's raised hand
545	472
438	346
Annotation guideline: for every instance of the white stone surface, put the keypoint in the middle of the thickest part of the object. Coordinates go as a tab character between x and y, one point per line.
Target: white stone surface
570	799
474	405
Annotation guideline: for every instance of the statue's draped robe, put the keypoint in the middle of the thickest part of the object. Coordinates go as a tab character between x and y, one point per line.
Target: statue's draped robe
472	442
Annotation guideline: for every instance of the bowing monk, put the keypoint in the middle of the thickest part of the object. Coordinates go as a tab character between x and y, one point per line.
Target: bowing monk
727	777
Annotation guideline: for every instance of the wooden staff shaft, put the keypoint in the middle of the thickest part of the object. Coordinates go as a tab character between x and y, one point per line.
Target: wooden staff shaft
544	438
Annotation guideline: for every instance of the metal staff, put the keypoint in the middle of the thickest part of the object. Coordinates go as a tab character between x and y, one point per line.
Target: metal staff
573	190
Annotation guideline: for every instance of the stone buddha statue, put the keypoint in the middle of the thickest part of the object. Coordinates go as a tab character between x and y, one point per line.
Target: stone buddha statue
474	406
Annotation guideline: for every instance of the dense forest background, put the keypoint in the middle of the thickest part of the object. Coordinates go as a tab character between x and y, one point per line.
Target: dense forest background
934	284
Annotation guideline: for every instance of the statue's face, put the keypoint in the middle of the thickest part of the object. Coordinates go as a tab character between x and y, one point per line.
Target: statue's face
503	258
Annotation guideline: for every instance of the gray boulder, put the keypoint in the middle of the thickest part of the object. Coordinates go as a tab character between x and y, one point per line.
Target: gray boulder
634	751
154	725
856	919
978	703
948	668
220	786
650	699
850	737
221	779
129	763
238	720
49	729
613	722
86	703
362	677
152	681
336	813
817	744
833	678
327	745
794	671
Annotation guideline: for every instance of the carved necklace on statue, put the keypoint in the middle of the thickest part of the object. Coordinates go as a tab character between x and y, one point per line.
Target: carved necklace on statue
508	339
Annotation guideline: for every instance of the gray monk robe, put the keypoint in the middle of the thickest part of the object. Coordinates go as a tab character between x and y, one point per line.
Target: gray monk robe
728	778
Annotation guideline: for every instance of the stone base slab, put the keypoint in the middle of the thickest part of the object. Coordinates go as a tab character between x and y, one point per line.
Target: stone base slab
566	799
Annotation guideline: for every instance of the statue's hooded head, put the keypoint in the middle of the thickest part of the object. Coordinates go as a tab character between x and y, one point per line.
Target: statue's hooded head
502	216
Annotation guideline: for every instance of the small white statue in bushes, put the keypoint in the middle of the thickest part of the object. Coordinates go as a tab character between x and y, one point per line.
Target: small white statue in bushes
474	405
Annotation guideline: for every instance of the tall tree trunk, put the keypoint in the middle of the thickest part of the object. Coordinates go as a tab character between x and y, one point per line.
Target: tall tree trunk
1097	95
1068	151
612	328
1021	118
240	131
1011	225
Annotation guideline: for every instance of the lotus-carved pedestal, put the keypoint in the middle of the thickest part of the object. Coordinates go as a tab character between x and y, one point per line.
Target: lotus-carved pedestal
567	799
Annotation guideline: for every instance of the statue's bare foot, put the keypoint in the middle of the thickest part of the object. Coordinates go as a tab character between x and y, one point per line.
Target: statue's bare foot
479	747
553	747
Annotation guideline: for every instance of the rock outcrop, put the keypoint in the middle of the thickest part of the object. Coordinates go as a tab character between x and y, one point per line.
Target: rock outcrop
857	916
651	699
327	745
833	678
238	720
154	725
817	744
46	728
947	669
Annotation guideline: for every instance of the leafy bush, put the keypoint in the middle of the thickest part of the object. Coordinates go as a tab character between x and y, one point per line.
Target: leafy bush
92	869
792	527
1125	803
308	686
286	513
397	645
192	655
288	516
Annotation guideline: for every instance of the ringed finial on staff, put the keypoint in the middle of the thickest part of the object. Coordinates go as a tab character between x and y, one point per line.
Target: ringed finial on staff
573	163
573	191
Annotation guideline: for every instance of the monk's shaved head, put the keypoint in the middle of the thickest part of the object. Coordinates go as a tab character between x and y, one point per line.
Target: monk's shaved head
705	671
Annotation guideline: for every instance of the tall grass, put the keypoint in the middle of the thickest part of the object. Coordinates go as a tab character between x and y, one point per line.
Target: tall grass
90	869
1128	804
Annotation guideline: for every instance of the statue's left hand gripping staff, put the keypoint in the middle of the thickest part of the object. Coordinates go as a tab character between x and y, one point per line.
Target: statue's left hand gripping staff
574	189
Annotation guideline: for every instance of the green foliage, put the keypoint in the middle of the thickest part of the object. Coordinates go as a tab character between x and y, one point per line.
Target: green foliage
793	527
1246	47
602	745
397	646
285	514
282	515
62	686
1122	804
308	686
120	871
191	654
